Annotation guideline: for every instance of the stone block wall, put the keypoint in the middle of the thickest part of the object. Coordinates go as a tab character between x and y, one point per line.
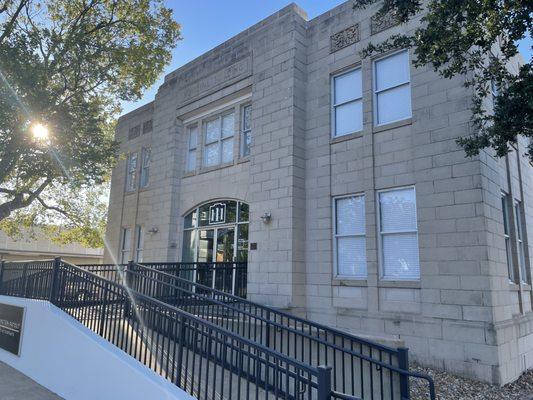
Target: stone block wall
462	315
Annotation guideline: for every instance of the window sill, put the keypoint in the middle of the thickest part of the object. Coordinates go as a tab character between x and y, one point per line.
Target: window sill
400	284
515	287
188	174
128	192
348	282
392	125
243	160
205	170
525	286
343	138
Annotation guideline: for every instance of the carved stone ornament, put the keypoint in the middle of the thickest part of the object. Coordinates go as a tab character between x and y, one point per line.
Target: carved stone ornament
344	38
378	24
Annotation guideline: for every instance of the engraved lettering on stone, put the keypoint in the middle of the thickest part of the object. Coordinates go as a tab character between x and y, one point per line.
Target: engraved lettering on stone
223	76
345	38
378	24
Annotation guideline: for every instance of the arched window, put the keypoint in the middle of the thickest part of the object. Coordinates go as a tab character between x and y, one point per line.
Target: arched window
216	232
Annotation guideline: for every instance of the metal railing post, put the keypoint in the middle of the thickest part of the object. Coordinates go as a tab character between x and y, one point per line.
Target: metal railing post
127	303
129	267
403	363
55	280
181	343
103	313
324	382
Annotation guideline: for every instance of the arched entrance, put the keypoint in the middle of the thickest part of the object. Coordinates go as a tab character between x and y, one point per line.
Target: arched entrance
215	236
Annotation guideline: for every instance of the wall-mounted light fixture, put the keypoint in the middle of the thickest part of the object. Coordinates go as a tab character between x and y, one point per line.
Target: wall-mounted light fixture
266	218
153	230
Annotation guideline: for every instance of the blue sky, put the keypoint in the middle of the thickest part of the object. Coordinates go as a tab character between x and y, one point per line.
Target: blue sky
207	23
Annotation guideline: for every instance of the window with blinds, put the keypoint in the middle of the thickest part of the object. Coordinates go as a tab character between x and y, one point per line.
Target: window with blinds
144	177
349	237
507	237
131	172
246	131
126	245
347	101
139	248
520	241
219	134
398	234
392	88
193	144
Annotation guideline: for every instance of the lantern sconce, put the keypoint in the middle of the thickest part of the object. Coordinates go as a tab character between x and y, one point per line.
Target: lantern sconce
266	218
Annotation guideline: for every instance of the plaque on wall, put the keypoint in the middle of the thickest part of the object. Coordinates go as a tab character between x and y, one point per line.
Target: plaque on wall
344	38
11	320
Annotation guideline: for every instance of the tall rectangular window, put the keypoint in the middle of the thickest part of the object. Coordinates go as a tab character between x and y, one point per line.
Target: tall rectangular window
193	144
246	131
398	234
520	241
139	248
125	247
131	172
507	236
145	168
347	100
349	237
219	134
392	88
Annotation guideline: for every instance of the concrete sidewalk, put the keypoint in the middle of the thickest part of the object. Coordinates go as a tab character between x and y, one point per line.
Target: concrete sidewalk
17	386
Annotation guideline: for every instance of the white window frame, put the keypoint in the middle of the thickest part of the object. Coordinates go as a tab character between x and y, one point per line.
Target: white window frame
220	139
191	149
144	176
245	131
337	236
335	105
139	243
376	92
507	237
131	175
520	247
125	253
381	234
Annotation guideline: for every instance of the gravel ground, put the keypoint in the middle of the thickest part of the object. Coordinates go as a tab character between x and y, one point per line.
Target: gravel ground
452	387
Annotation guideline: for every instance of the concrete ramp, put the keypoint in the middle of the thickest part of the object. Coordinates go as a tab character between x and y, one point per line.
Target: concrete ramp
65	357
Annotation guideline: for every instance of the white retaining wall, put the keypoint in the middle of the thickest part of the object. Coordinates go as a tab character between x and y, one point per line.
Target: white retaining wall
65	357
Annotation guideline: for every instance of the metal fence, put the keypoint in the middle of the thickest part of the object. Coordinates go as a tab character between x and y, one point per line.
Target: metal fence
206	360
228	277
361	368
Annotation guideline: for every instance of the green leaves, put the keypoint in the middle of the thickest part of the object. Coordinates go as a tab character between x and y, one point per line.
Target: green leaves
476	39
67	64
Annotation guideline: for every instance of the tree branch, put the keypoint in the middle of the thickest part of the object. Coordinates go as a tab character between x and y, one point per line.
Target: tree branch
19	201
11	23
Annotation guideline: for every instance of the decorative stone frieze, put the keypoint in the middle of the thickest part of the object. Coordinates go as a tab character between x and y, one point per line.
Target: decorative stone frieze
380	23
344	38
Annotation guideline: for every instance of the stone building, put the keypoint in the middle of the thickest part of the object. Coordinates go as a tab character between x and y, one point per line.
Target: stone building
35	245
339	181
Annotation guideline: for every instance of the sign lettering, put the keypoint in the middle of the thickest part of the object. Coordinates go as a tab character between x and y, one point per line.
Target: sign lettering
11	318
217	213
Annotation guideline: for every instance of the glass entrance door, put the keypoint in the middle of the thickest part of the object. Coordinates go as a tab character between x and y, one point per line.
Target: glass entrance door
216	245
215	238
224	256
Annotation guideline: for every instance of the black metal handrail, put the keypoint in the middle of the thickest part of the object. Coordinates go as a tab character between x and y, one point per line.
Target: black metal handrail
228	277
360	367
202	358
